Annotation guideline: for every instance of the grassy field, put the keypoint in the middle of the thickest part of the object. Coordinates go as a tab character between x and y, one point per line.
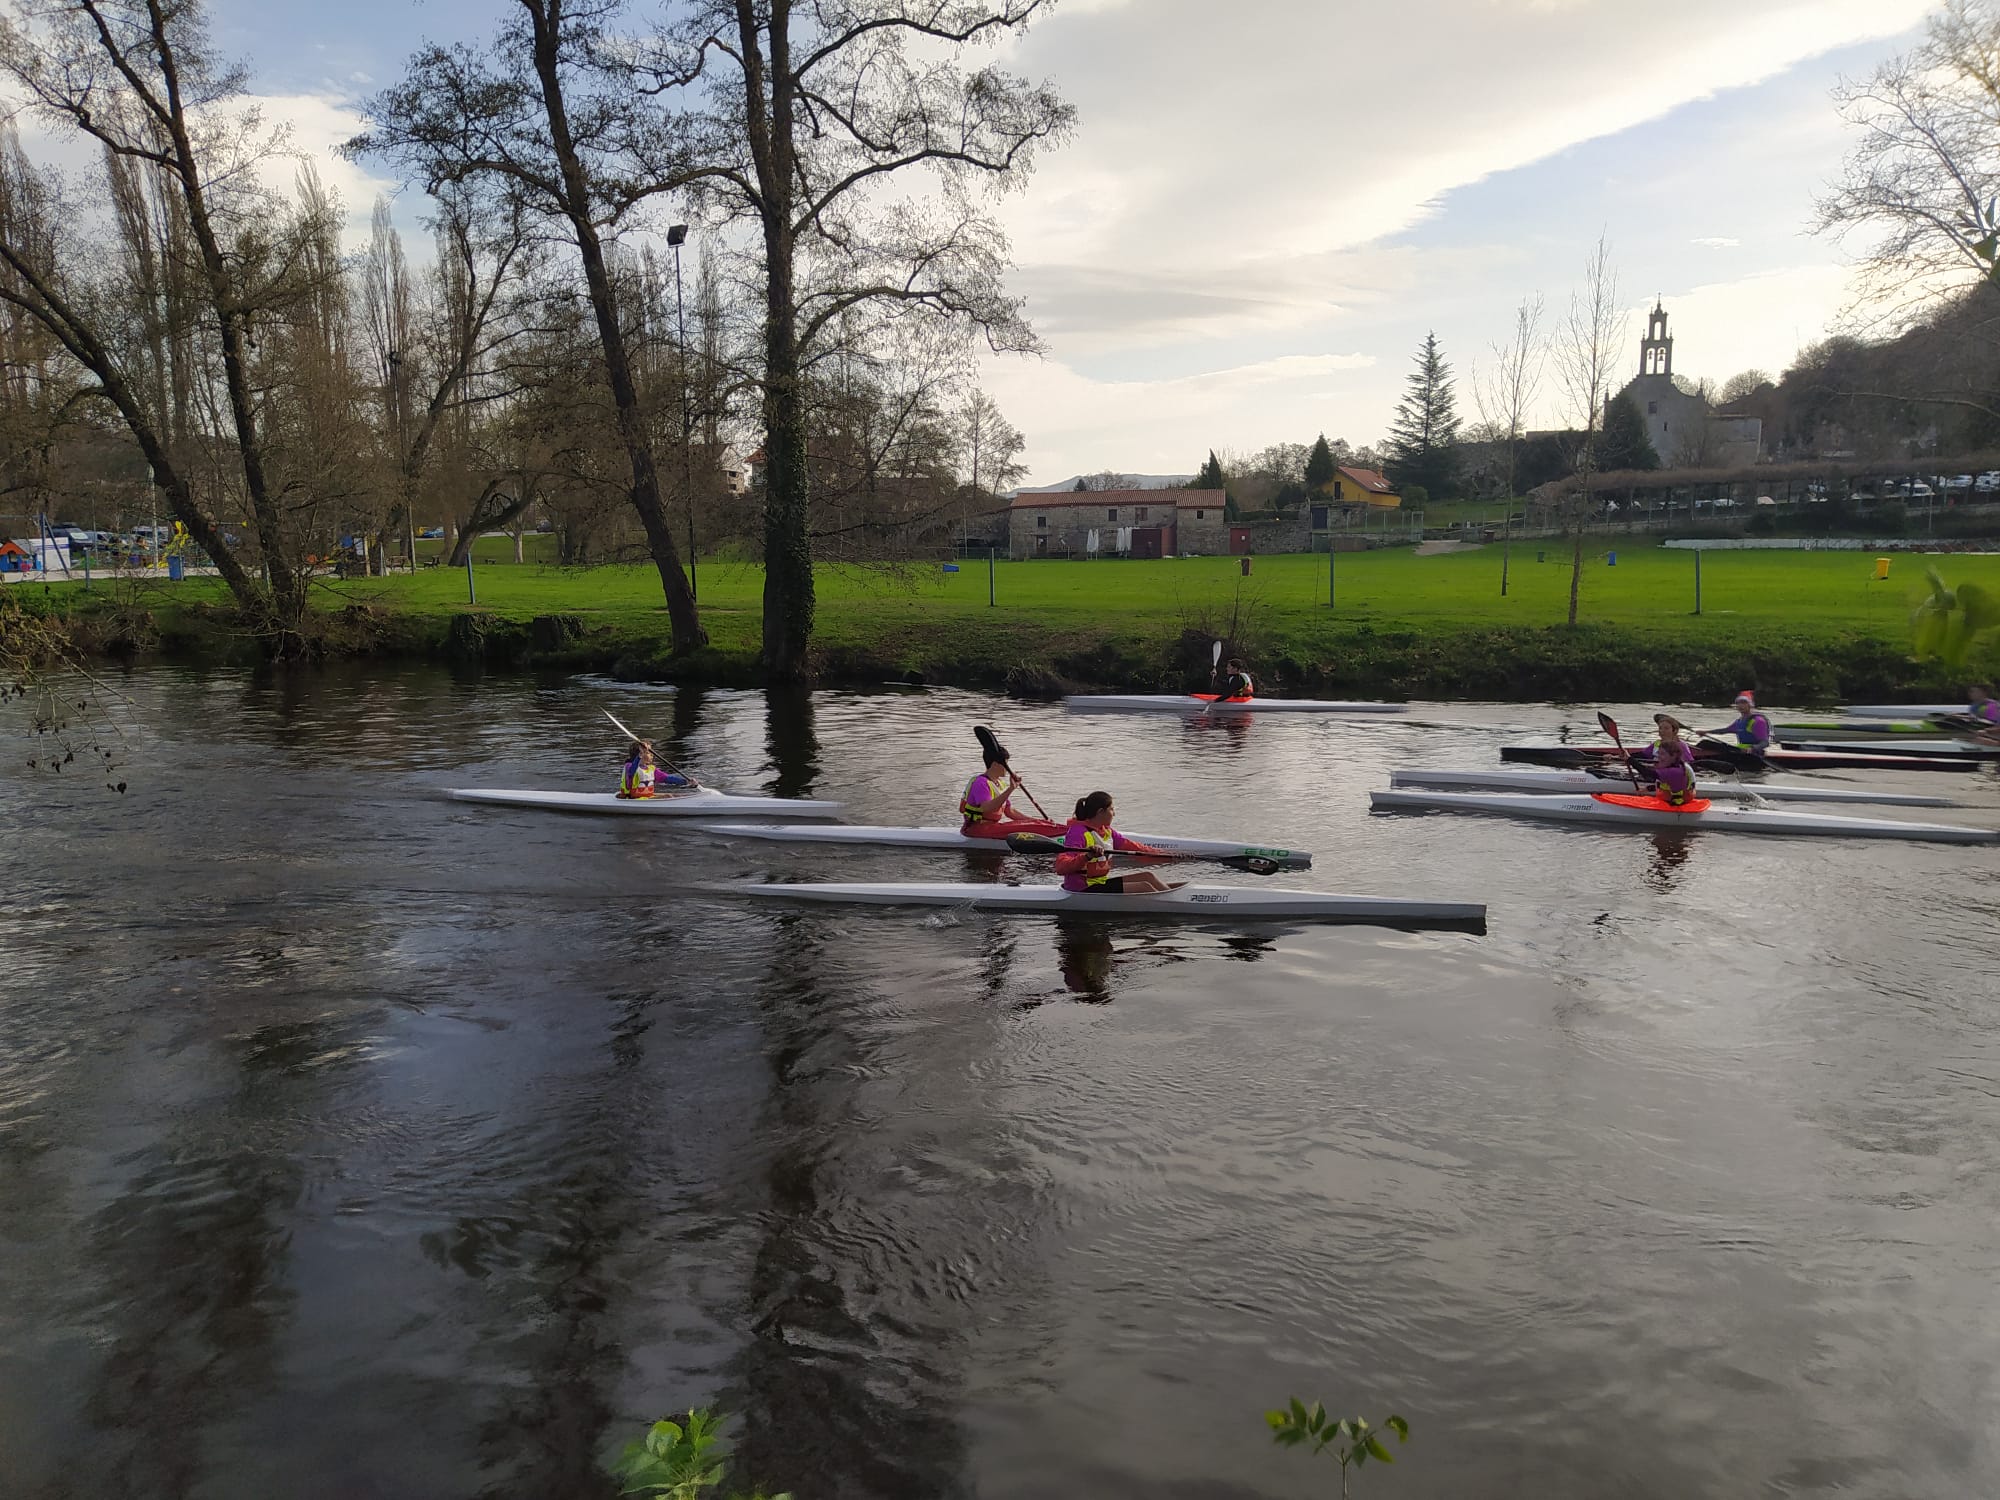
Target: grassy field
1400	620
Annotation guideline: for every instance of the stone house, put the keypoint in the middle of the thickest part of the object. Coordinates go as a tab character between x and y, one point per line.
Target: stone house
1118	523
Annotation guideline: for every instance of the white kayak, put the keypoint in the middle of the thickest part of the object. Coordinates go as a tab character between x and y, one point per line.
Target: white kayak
1735	818
1197	903
1897	710
701	802
1194	703
1724	791
951	838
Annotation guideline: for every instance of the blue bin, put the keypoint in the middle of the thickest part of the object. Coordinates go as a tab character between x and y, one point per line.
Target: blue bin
951	567
1611	559
174	569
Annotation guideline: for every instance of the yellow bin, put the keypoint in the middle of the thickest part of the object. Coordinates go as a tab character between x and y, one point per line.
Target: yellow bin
1881	567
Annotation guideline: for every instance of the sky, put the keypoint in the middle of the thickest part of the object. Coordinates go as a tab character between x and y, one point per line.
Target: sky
1268	204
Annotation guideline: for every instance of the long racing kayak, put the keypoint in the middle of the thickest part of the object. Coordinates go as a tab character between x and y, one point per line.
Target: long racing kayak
1586	781
1930	749
1898	710
1191	903
701	802
1796	760
951	838
1735	818
1194	703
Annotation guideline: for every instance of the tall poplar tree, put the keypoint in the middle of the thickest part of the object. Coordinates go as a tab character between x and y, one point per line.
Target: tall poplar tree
1423	441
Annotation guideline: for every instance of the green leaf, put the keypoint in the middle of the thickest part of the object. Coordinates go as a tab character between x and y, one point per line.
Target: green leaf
1398	1426
1375	1450
1299	1412
1276	1418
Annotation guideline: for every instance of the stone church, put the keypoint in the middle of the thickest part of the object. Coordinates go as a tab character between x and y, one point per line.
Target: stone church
1684	429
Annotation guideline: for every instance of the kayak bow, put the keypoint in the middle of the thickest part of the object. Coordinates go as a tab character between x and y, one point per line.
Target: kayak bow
1736	818
701	802
1190	903
951	838
1585	781
1194	703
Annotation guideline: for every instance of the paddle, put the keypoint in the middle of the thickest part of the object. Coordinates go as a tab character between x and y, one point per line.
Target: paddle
657	757
1610	726
1250	864
989	743
1214	666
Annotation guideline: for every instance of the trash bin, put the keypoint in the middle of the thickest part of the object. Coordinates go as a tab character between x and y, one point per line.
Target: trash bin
174	569
1611	559
1881	567
1246	567
1541	557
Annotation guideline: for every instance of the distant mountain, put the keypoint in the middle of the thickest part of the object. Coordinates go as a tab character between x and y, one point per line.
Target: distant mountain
1126	482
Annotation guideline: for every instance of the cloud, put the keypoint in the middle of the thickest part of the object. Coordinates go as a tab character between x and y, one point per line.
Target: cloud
1716	242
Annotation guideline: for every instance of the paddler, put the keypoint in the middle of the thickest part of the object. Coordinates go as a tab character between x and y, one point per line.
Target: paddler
1750	729
986	808
1237	686
1088	843
1671	762
1986	709
642	776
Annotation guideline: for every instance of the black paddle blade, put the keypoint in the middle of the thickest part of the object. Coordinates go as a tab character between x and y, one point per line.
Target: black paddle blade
989	742
1034	843
1255	864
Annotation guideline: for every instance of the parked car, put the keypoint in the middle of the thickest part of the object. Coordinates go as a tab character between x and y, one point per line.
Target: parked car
1959	482
1815	493
1988	481
1921	491
431	533
1723	502
1765	500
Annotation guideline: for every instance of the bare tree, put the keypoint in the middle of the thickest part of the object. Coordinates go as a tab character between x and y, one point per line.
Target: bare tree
553	118
1743	385
1586	352
992	445
821	110
1924	178
1505	391
137	77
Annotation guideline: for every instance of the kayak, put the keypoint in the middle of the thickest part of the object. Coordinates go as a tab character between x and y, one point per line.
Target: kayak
1649	812
701	802
1585	781
1706	757
1191	903
951	838
1853	729
1194	703
1898	710
1936	749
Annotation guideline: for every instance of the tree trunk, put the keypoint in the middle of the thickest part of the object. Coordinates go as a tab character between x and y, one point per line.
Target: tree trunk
1575	570
684	618
788	575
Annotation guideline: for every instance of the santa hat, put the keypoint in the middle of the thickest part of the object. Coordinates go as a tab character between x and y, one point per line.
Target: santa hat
1746	696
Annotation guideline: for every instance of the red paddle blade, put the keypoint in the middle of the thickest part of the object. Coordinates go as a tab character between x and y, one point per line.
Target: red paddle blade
1608	724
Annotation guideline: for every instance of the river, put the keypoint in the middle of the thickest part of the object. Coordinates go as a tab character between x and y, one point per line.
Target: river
359	1143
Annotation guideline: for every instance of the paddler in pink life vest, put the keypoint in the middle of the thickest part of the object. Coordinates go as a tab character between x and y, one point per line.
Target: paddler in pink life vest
1986	709
1088	842
986	808
1750	729
1672	763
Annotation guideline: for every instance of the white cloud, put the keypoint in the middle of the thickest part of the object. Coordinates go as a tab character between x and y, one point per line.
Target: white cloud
1716	242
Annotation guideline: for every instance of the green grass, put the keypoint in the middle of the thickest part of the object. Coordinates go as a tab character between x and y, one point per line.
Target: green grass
1401	621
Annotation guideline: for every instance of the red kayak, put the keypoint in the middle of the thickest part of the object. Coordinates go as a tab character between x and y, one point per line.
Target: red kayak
1651	804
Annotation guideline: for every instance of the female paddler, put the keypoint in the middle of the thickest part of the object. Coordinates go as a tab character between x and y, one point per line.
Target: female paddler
985	809
642	777
1088	842
1672	763
1986	709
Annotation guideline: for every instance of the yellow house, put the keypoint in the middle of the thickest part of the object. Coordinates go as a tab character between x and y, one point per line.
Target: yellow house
1351	486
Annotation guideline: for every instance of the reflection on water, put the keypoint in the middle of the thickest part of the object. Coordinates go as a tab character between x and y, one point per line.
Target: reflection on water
356	1142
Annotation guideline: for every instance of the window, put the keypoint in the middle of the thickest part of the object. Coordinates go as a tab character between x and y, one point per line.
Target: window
1652	408
1199	514
1139	514
1111	514
1337	490
1319	514
1041	520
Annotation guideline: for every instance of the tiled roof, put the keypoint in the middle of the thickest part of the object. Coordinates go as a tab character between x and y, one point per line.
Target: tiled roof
1369	479
1184	499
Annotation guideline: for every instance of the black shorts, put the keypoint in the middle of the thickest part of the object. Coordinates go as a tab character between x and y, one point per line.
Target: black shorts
1114	885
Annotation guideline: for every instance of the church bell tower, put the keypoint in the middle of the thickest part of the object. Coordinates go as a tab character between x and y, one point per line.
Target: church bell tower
1656	350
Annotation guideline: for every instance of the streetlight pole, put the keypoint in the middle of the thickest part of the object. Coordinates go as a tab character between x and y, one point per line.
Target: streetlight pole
676	236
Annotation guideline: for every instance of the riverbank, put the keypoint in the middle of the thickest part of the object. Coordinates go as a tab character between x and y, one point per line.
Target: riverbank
1804	628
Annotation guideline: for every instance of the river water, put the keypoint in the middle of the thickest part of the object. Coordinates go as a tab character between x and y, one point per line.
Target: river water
356	1143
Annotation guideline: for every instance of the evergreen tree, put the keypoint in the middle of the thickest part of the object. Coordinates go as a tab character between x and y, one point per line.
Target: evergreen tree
1080	487
1210	477
1423	441
1623	443
1319	465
